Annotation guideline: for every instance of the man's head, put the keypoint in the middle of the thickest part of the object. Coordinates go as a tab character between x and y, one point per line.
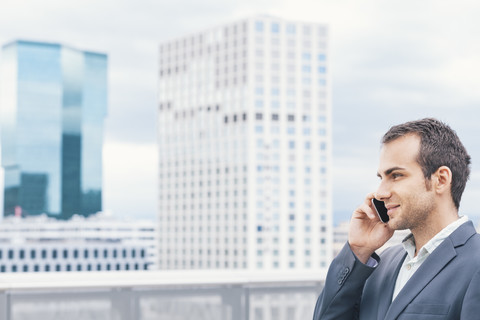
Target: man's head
439	146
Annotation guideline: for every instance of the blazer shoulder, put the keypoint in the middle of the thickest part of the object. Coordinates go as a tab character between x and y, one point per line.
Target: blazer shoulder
465	234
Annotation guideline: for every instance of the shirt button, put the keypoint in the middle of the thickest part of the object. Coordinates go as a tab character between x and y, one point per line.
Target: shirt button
409	266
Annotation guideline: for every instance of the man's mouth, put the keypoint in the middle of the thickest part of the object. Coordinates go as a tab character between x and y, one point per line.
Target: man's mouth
391	208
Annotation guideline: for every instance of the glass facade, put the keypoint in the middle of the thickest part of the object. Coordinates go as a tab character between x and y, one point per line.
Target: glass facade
53	104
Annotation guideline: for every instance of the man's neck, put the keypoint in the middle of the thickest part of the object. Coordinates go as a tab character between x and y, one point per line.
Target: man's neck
429	229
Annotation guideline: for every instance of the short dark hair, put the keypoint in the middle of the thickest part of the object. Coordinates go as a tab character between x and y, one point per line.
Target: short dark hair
439	146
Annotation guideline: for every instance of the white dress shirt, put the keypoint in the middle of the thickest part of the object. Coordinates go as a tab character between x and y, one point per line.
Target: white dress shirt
412	262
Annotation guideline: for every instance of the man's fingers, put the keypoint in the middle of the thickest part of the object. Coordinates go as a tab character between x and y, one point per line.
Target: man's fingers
365	210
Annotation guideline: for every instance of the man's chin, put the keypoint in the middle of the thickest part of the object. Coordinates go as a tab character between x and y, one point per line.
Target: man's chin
395	224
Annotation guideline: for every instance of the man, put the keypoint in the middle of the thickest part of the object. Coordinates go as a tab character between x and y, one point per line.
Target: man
435	273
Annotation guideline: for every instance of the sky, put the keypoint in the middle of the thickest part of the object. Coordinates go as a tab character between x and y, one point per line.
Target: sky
391	61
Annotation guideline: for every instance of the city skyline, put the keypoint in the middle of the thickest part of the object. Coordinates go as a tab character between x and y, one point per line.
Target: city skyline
390	64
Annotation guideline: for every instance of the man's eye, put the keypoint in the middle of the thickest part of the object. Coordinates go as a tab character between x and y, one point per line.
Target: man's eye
396	175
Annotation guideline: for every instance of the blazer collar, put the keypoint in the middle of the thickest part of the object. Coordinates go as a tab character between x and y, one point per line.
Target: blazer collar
430	268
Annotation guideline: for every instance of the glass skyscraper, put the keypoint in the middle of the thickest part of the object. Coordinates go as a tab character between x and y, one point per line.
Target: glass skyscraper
53	102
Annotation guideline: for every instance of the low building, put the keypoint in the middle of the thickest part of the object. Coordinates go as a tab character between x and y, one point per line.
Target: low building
97	243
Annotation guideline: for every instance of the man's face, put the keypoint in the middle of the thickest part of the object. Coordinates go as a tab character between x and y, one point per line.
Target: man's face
404	189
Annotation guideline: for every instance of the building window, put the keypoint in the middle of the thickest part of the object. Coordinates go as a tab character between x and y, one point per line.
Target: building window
275	27
259	26
306	56
290	29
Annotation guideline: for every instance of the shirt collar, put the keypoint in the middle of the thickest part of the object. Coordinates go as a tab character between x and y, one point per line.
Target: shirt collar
409	241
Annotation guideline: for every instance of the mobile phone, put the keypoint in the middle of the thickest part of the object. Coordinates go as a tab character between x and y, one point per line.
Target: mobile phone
381	210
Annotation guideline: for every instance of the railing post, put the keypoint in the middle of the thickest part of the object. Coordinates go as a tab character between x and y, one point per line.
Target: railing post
4	307
123	305
237	301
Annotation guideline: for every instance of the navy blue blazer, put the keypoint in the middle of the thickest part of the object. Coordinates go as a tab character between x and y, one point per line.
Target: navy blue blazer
445	286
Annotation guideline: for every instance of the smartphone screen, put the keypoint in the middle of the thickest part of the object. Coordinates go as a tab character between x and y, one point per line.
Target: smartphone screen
381	210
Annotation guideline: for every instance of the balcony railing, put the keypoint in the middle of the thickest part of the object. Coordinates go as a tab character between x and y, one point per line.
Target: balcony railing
160	295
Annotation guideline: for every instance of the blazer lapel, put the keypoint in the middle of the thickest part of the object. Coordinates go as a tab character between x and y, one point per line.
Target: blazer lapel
390	280
427	271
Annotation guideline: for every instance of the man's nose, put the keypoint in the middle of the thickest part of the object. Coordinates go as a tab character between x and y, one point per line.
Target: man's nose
383	192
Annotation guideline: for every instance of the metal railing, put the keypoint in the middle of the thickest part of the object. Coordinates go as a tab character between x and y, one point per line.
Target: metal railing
160	295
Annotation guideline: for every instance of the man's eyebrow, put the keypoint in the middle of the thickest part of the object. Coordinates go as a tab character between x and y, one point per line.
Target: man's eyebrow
389	171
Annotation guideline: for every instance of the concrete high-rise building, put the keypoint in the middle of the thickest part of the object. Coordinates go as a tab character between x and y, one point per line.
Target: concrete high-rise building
53	104
244	136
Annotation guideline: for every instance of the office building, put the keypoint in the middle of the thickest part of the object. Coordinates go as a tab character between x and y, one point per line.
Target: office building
53	104
96	243
244	132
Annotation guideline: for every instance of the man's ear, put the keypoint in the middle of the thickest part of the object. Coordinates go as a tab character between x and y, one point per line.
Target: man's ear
442	179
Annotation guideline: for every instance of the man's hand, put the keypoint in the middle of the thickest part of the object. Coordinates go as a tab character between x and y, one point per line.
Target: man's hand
367	233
